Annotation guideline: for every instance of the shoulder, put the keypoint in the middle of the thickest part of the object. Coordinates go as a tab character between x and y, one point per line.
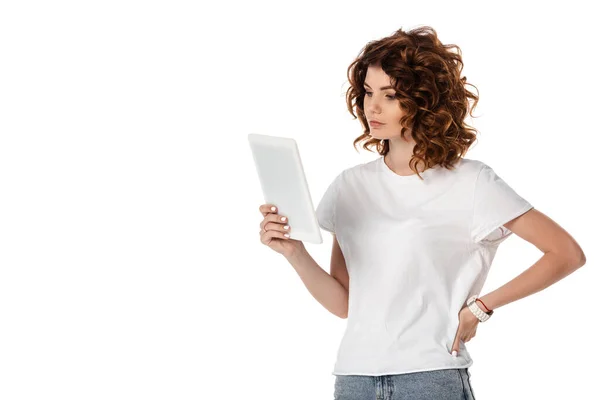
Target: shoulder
361	170
354	172
471	165
471	169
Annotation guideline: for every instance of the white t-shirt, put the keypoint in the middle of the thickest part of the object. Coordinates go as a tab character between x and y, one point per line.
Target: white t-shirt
415	252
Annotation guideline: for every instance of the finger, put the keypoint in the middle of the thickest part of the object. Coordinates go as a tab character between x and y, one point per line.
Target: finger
266	237
267	209
273	218
277	226
455	345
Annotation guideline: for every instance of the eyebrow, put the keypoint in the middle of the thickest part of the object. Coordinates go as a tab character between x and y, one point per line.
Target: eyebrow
381	88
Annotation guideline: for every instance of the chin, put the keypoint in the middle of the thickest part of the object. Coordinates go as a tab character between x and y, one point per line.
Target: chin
379	137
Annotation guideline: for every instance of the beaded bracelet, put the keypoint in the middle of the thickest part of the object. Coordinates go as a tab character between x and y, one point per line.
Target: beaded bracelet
475	309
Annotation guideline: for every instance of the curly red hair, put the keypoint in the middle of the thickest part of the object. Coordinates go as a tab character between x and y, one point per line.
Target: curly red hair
426	77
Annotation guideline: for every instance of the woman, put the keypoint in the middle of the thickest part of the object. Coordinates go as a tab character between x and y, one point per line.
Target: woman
416	230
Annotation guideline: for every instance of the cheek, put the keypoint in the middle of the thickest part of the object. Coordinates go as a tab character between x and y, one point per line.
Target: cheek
397	114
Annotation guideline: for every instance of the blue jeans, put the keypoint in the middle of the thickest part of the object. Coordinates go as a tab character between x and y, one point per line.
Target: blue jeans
443	384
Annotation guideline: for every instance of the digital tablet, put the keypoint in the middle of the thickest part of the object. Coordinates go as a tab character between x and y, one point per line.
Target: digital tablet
284	184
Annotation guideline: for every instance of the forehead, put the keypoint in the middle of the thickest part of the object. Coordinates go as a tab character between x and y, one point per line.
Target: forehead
376	75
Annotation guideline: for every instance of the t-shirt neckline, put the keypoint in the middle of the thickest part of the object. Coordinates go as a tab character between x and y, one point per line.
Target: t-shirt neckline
404	178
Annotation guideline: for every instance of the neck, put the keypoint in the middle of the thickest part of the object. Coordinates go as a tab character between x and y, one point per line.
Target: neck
399	155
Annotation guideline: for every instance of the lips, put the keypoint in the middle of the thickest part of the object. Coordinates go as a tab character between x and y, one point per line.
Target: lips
376	123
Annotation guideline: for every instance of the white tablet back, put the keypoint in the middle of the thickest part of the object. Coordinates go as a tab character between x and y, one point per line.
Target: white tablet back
284	184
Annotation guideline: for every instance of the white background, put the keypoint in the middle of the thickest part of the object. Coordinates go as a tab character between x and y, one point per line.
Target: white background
130	260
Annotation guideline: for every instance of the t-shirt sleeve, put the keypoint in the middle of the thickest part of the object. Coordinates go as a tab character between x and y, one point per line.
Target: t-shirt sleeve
327	206
495	203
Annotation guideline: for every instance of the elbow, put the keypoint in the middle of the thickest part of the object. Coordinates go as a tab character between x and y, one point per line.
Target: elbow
342	302
343	314
578	260
582	259
574	255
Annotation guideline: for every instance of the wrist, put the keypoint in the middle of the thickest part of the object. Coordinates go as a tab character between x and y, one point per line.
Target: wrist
296	253
477	309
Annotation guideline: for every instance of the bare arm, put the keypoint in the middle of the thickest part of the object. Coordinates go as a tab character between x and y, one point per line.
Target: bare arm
326	289
562	256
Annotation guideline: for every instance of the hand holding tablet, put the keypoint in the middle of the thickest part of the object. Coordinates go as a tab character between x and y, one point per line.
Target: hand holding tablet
273	230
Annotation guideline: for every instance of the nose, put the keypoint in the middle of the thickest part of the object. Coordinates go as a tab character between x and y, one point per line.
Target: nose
373	106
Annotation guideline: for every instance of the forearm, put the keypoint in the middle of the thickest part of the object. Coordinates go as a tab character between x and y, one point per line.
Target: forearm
322	286
550	268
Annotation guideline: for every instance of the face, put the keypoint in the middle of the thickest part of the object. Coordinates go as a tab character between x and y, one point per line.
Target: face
380	104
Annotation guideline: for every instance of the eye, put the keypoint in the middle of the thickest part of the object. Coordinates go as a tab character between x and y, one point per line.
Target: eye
391	97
